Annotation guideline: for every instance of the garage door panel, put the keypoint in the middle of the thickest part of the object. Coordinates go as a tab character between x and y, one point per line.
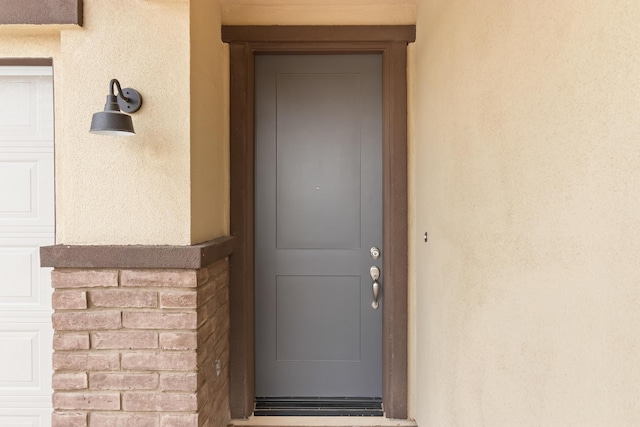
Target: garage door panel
26	190
29	115
25	351
23	284
16	187
19	421
25	417
18	283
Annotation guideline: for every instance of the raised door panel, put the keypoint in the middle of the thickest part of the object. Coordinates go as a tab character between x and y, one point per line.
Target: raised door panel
24	285
28	117
36	415
25	351
318	144
26	192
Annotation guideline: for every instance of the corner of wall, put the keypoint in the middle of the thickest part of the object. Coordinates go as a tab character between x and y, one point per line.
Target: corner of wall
209	123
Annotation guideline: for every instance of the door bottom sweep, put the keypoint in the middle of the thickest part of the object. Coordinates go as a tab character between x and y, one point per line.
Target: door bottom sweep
319	406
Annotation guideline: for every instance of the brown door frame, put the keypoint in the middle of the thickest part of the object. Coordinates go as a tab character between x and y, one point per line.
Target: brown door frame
246	42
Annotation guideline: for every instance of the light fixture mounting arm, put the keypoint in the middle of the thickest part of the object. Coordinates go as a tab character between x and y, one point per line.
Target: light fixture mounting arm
129	99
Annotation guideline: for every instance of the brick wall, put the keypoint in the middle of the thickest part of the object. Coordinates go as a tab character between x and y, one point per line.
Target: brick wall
141	347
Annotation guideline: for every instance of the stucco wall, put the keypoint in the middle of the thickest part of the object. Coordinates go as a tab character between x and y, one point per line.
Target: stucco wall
26	41
526	173
209	123
125	190
318	12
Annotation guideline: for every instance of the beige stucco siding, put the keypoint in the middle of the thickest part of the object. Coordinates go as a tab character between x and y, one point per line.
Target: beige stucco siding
209	123
318	12
526	171
125	190
27	41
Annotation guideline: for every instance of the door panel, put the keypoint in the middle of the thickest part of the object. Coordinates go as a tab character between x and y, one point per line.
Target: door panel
26	223
318	161
318	211
301	307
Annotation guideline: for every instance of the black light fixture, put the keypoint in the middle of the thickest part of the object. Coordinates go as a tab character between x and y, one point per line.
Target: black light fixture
112	121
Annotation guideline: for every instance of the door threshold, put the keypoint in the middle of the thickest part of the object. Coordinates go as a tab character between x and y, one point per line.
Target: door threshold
321	422
319	406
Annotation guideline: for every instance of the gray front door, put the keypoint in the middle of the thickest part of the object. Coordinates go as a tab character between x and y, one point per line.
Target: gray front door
318	213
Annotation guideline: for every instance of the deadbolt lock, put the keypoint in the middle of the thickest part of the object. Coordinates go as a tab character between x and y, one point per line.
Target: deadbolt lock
375	252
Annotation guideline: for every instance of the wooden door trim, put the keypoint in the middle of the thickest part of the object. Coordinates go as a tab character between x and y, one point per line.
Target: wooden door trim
246	42
327	33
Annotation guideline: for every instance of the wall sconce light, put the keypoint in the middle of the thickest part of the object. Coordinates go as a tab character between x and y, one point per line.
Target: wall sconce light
112	121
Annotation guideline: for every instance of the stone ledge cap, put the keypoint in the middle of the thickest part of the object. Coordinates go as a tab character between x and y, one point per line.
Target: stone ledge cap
137	256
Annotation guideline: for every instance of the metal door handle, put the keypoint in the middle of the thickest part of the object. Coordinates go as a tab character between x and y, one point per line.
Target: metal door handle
374	272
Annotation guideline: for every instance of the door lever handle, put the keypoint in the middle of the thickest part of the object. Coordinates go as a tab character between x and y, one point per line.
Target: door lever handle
374	272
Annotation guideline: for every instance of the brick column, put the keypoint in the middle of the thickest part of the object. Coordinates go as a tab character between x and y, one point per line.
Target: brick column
141	347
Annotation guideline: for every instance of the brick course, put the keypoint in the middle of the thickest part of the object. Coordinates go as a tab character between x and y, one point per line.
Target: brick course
124	340
179	382
85	361
123	381
98	419
159	320
159	278
139	347
160	361
76	278
159	401
86	320
69	300
69	419
70	381
124	299
180	421
178	300
84	400
178	340
71	341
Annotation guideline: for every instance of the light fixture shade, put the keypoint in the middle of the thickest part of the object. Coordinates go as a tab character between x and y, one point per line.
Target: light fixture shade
112	123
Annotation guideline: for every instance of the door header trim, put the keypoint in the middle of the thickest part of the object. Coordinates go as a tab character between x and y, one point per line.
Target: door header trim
328	33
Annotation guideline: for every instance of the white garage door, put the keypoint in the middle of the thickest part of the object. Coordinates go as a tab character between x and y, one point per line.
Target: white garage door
26	222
